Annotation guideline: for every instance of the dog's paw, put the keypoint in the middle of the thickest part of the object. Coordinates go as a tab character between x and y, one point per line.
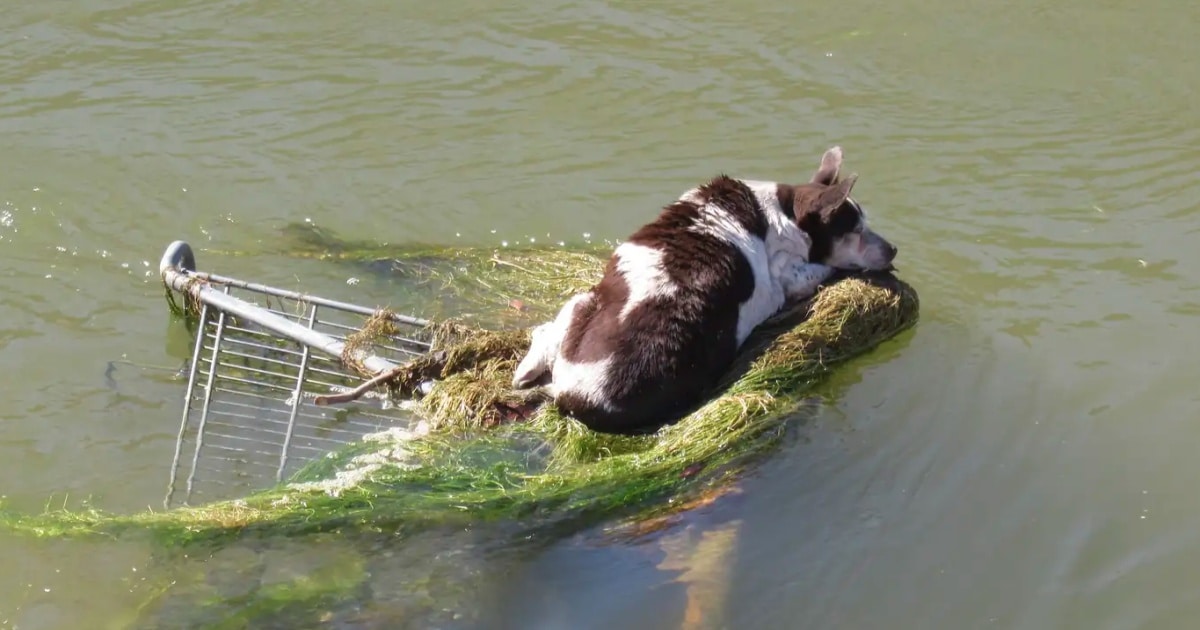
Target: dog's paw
531	381
523	380
802	280
532	371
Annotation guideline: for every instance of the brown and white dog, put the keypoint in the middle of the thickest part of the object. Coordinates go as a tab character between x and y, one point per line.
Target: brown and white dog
678	299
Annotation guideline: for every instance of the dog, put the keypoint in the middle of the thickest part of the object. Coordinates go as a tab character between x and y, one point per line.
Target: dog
681	295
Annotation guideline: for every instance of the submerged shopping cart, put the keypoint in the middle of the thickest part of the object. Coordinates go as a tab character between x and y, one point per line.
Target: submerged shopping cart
260	357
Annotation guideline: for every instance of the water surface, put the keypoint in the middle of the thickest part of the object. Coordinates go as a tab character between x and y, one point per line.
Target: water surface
1024	459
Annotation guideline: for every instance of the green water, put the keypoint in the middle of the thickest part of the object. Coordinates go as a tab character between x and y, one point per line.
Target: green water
1026	459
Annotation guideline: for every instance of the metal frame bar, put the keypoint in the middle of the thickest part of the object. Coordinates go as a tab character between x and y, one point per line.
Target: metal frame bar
238	427
180	278
187	402
208	388
297	396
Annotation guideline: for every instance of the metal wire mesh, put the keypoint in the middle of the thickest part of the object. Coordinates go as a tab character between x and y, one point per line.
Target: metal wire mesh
248	419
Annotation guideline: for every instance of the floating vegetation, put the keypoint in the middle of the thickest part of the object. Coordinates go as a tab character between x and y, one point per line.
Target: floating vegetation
487	453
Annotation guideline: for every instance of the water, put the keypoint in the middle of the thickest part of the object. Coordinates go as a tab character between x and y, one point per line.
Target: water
1025	459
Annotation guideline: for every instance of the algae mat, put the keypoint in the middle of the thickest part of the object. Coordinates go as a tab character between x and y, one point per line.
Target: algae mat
544	471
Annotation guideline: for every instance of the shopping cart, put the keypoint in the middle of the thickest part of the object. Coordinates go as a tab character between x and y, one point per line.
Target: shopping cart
260	359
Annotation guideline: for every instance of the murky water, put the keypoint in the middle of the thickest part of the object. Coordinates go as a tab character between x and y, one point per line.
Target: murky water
1025	459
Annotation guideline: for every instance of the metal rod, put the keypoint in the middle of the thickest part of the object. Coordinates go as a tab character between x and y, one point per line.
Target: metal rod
296	398
236	438
187	403
258	357
265	348
230	409
229	304
313	429
178	263
178	279
249	381
208	396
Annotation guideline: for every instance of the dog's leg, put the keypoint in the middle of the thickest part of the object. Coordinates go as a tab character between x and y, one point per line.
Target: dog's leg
537	360
543	346
800	280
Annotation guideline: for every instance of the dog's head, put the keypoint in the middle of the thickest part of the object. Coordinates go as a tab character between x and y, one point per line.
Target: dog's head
834	222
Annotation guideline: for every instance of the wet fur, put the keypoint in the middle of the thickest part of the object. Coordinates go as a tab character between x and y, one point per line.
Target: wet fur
681	295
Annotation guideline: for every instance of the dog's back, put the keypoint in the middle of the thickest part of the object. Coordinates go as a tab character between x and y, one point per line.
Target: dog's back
661	327
681	295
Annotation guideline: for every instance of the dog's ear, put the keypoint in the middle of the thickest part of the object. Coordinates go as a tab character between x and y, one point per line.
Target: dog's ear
831	163
835	195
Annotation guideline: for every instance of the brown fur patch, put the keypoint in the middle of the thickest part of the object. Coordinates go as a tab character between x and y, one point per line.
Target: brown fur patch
826	214
670	354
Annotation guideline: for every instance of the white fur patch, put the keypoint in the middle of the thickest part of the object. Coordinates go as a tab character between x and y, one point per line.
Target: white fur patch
642	268
539	358
545	343
767	296
585	380
588	381
785	247
693	196
767	194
